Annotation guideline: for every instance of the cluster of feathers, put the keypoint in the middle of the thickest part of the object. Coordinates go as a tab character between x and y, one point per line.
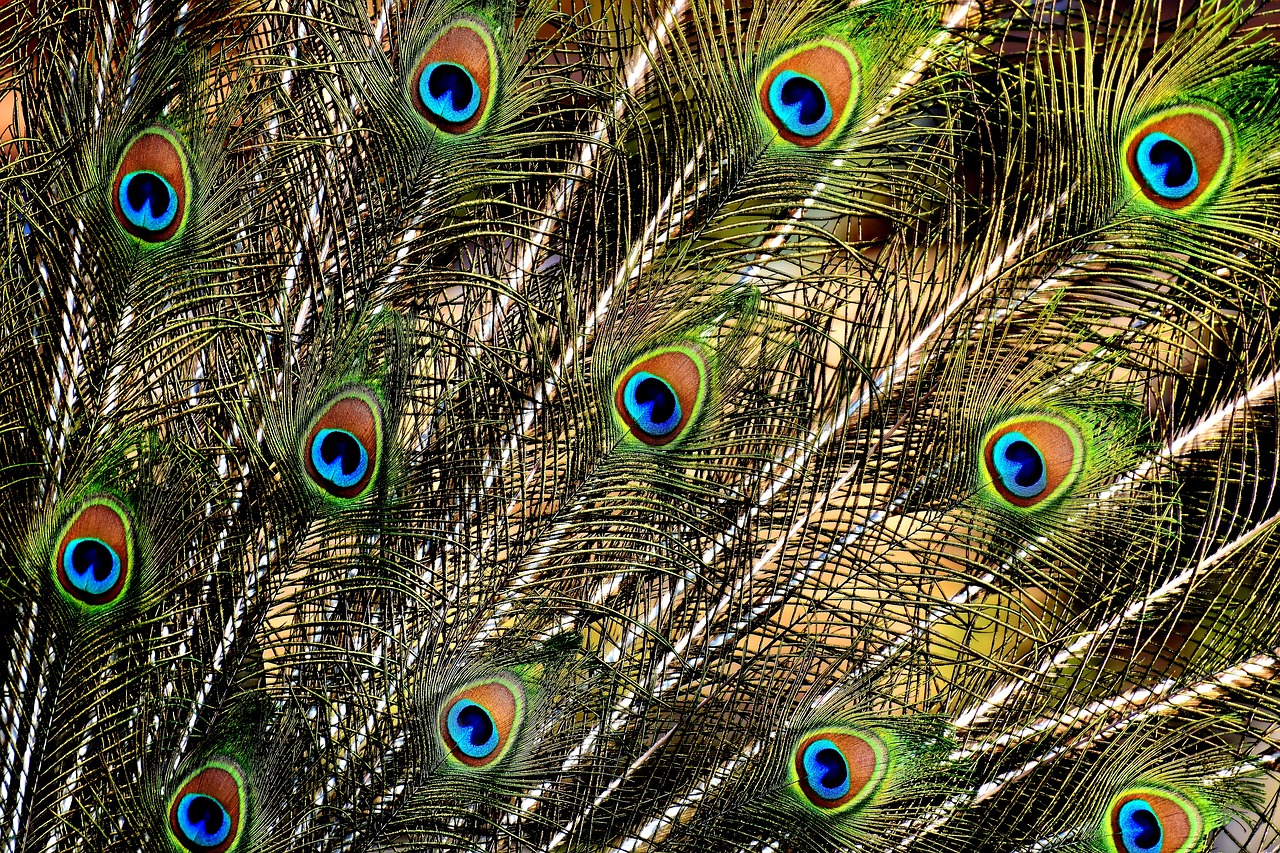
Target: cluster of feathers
640	425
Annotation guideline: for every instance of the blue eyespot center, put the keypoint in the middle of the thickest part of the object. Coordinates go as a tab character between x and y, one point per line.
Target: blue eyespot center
826	770
339	457
91	565
148	201
652	404
472	729
449	92
800	103
1140	829
1167	166
1020	465
203	820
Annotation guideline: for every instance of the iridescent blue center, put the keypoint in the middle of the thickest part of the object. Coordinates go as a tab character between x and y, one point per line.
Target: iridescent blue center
652	403
202	820
449	92
800	103
91	566
826	770
472	729
1167	166
148	201
1019	465
1140	829
339	457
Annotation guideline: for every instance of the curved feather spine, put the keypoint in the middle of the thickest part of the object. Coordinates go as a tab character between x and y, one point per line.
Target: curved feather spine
820	547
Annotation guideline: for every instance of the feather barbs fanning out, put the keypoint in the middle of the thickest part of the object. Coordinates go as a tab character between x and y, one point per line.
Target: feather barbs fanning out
496	426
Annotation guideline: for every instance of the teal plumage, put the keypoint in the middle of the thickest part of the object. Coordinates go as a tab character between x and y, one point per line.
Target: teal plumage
802	426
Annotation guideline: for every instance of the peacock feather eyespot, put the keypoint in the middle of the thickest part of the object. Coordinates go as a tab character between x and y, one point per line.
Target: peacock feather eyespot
1179	156
1030	460
837	769
452	85
1150	820
93	558
806	94
207	813
661	394
152	187
479	722
341	448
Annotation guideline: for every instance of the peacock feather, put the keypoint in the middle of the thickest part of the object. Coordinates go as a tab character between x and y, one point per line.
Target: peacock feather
494	425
